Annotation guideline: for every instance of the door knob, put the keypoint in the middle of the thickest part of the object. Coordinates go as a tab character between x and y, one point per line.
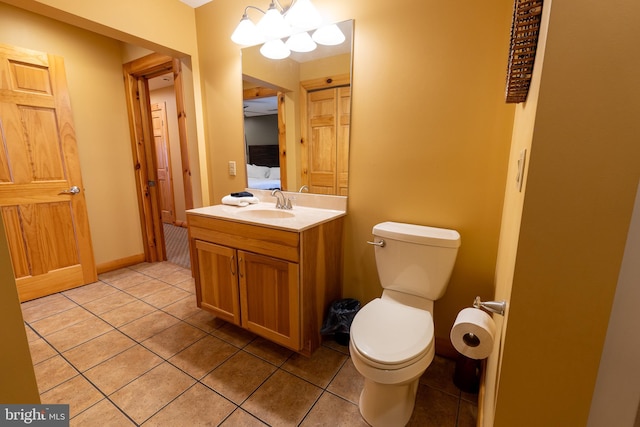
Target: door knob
72	190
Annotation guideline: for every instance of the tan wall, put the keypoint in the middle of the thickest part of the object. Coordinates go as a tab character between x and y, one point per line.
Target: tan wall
581	185
430	129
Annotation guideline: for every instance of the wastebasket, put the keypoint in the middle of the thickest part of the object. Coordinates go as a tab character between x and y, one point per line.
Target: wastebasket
338	320
467	374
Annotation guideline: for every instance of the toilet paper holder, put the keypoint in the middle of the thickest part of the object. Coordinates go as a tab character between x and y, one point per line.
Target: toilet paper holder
497	307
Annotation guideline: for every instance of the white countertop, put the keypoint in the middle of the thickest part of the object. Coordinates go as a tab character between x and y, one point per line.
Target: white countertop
302	219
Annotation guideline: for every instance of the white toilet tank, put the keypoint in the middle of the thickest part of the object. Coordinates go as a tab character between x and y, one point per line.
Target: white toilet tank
415	259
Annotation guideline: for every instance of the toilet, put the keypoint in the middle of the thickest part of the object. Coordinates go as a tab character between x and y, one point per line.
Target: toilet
391	338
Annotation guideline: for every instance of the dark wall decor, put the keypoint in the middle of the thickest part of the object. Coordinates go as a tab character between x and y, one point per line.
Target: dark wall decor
525	28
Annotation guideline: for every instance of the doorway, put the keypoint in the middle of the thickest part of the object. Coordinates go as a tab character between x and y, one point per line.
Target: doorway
138	75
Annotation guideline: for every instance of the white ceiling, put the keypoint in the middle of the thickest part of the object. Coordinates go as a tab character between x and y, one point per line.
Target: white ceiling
260	106
195	3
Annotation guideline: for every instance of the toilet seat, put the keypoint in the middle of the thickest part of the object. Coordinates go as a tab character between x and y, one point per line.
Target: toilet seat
389	335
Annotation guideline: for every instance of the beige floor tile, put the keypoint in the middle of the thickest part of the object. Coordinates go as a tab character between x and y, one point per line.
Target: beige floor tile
78	333
198	406
234	335
269	351
114	373
143	397
147	288
334	411
283	400
177	276
98	350
318	369
434	408
184	308
46	307
344	349
86	293
149	325
127	313
241	418
60	321
126	279
41	351
103	414
439	375
110	302
205	321
52	372
187	285
203	356
347	383
239	376
31	335
115	275
158	269
467	414
78	393
158	393
173	339
166	297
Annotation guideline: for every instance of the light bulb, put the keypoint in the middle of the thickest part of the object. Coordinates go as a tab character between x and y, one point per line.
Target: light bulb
329	35
246	33
303	15
272	24
301	42
275	49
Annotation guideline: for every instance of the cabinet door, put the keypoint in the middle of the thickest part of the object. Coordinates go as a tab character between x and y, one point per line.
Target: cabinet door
216	281
270	298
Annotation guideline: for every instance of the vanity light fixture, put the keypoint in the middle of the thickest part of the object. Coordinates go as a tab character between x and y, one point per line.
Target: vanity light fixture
295	22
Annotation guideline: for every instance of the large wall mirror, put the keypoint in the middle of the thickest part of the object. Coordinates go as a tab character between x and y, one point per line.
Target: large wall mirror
297	114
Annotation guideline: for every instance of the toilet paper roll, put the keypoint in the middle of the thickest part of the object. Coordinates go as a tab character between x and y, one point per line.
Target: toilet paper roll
473	333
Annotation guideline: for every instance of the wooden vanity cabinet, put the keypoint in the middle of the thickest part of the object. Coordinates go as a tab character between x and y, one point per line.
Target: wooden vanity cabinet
275	283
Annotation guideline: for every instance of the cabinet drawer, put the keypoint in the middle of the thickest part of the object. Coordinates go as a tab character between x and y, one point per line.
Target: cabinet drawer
261	240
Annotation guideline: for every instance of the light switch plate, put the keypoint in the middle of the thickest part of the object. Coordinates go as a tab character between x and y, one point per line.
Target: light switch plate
232	168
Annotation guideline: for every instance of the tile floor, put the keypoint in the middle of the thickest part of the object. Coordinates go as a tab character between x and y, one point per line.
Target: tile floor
133	349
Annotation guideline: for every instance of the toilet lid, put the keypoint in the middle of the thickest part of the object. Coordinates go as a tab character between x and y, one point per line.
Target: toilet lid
391	333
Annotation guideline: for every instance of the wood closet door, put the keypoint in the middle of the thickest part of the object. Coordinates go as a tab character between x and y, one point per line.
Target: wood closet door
41	194
163	162
329	120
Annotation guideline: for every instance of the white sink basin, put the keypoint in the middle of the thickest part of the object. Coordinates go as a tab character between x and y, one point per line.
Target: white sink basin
266	214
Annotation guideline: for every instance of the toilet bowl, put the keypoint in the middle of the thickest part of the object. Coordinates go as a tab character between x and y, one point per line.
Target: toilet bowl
391	337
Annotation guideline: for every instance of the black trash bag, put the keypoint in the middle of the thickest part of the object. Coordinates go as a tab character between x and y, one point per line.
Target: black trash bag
339	318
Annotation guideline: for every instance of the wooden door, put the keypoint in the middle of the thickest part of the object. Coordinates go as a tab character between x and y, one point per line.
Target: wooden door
325	161
216	281
322	141
163	162
41	192
342	137
270	298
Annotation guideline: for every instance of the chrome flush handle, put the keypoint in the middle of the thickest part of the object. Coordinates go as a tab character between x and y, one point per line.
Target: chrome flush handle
381	243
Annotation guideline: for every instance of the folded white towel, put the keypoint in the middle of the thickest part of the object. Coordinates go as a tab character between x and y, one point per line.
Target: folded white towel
239	201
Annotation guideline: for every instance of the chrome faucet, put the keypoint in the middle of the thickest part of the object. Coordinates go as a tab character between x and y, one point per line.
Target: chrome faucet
281	204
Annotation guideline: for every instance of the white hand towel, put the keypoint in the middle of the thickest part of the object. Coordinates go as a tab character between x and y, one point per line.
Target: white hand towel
239	201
